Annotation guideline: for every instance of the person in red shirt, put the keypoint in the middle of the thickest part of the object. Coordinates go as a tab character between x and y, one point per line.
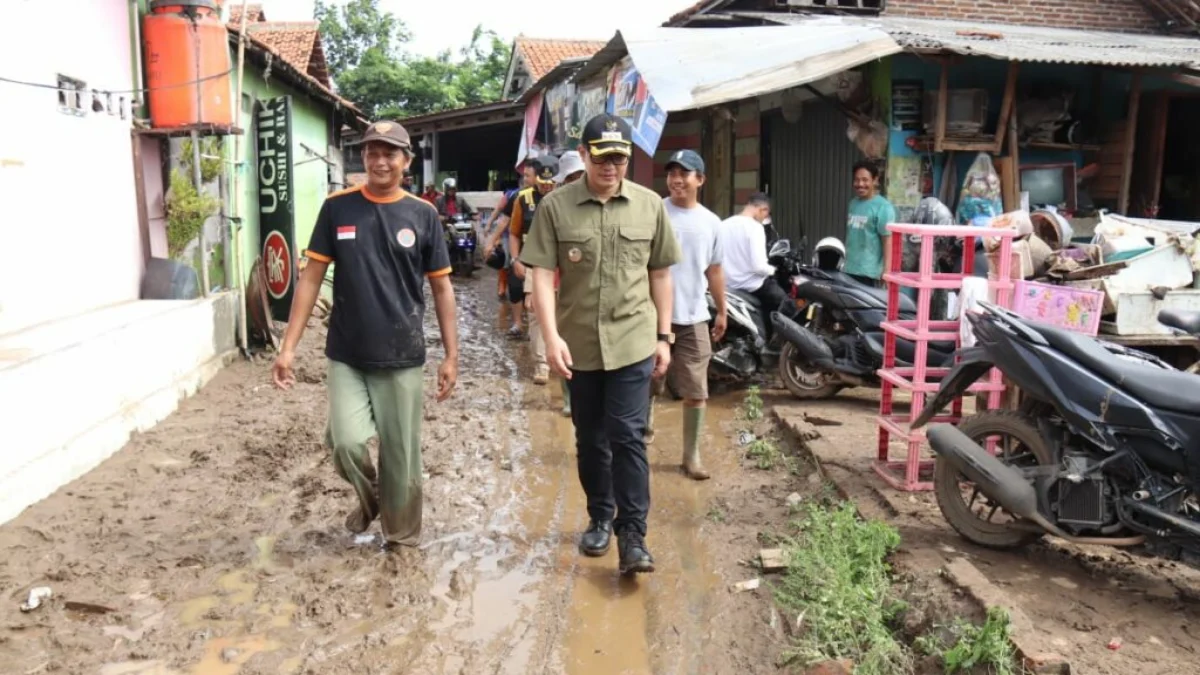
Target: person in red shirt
430	194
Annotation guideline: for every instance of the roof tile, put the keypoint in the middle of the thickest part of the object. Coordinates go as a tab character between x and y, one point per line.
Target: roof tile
542	55
254	14
298	42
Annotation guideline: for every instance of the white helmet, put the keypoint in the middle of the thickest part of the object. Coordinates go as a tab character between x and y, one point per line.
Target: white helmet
449	183
829	254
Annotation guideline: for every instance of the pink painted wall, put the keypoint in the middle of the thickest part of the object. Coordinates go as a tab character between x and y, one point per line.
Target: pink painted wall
152	172
68	208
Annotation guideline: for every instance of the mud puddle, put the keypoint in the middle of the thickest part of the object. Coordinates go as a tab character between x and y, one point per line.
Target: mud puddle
217	540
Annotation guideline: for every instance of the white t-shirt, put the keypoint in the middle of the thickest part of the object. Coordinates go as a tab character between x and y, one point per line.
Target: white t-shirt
696	229
744	242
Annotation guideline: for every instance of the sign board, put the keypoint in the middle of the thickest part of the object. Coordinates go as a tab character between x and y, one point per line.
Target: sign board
276	201
630	98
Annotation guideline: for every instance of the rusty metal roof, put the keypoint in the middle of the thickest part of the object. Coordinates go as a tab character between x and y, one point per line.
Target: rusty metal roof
1015	43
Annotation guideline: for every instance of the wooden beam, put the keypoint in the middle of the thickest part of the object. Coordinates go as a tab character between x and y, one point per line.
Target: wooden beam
1186	80
1014	152
939	133
1135	101
139	184
1006	107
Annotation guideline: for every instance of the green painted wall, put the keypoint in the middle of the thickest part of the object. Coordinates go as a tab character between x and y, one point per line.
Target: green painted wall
310	176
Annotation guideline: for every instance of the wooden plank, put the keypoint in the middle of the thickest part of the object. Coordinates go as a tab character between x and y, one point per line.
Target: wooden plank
1014	149
139	179
1006	107
1131	125
939	135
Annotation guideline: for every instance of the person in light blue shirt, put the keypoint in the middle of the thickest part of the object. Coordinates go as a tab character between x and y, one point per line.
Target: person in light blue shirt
867	252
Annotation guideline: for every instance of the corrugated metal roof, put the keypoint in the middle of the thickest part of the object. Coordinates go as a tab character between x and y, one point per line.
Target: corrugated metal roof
688	68
1015	43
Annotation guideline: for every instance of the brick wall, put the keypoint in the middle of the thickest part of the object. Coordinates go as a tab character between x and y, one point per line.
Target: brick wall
1108	15
746	159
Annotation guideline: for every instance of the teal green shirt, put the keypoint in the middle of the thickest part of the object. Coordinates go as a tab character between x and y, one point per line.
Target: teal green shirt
866	234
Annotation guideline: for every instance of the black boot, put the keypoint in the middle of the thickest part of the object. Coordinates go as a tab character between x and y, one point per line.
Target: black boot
596	540
635	557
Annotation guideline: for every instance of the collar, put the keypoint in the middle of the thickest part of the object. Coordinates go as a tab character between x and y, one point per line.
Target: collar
583	195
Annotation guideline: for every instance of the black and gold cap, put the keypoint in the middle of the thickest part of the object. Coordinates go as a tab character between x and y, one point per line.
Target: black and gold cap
608	134
545	168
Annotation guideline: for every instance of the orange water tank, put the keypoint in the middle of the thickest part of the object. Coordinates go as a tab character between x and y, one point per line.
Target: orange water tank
187	64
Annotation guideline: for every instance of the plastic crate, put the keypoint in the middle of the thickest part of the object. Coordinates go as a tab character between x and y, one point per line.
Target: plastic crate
1067	307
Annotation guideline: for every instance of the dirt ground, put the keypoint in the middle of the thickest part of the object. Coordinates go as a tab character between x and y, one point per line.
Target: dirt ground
1079	599
214	544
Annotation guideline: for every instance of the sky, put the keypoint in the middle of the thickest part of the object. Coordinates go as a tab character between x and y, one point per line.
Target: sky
447	24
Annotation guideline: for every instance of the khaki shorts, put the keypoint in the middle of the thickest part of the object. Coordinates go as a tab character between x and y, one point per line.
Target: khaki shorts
688	374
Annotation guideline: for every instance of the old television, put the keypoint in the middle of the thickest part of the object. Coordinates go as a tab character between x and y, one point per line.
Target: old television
1050	184
966	111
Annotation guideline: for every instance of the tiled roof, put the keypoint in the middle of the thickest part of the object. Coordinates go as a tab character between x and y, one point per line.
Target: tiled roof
298	42
254	14
542	55
255	43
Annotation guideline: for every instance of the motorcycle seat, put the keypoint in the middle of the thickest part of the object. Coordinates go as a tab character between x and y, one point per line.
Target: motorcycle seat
747	297
1188	322
879	294
1170	389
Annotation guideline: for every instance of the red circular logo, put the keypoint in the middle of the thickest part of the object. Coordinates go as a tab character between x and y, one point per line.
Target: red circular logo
277	259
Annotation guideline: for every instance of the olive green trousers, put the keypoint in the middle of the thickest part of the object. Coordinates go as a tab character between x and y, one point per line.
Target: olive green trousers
387	403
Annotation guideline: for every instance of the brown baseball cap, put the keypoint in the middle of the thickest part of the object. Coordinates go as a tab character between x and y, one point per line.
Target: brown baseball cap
391	133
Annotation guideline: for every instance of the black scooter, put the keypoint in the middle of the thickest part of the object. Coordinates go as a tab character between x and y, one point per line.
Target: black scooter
842	343
1105	450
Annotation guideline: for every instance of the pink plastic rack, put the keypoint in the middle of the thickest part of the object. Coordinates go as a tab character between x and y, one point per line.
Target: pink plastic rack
911	472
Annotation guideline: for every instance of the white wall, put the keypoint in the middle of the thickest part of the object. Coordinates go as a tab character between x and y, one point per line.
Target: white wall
68	214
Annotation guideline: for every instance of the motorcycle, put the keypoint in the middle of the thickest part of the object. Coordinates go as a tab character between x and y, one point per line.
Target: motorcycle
1103	451
841	343
462	240
745	352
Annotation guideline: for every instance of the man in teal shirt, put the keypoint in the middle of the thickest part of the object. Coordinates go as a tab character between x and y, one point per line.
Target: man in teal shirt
867	250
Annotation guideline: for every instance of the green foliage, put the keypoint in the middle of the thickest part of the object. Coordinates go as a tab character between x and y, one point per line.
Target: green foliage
187	209
765	453
364	49
838	580
210	159
985	648
752	405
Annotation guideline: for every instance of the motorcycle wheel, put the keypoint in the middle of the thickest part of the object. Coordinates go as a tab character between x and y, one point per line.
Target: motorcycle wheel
1030	450
802	383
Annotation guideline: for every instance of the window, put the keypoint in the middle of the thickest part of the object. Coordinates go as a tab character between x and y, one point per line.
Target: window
71	96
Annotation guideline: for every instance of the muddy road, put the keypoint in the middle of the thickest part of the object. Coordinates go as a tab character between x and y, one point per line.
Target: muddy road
214	544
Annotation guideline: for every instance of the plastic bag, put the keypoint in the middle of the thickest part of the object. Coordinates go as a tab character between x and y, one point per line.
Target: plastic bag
980	198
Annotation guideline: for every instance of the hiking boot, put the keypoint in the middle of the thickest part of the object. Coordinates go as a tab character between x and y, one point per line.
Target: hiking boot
596	540
635	557
542	374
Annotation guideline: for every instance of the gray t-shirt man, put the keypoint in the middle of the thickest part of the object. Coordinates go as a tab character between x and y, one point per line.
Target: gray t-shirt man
696	229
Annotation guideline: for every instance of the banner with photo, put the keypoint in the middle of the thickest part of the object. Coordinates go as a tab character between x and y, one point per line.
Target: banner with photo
629	98
560	116
590	100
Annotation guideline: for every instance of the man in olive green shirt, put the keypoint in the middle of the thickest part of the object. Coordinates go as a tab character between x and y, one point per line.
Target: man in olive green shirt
610	331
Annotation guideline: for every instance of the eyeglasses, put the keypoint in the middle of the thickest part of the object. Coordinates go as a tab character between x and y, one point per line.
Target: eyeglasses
614	158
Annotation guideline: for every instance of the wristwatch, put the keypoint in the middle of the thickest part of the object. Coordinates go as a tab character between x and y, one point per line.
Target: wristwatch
668	338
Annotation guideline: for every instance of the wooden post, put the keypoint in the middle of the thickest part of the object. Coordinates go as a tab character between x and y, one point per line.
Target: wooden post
1135	101
1006	107
939	132
196	175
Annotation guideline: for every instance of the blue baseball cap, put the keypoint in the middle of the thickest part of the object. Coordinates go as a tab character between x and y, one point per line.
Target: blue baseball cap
689	160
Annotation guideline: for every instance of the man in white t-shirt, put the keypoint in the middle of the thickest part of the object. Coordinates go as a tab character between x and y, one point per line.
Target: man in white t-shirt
697	273
744	243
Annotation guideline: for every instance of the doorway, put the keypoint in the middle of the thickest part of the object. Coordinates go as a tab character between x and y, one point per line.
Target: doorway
1179	196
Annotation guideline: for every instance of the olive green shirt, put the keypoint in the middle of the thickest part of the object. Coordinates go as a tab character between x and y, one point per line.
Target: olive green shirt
604	253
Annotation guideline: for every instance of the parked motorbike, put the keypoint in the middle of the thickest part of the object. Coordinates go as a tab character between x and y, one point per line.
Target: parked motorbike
745	352
840	344
1105	449
462	240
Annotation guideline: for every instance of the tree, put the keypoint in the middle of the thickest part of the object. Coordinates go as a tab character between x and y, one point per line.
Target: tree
348	31
364	49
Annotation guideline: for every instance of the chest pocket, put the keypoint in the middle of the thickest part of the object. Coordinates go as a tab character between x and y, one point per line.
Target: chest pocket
578	248
633	245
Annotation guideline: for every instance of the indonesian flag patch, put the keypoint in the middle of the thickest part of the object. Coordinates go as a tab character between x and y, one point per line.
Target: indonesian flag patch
345	232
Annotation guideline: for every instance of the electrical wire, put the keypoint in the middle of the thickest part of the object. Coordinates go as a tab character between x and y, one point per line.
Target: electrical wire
39	85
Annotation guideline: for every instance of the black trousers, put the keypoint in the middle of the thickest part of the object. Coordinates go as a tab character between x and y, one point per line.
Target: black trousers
609	409
774	299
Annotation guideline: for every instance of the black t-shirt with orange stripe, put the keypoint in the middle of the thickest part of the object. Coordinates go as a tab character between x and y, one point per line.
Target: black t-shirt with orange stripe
382	251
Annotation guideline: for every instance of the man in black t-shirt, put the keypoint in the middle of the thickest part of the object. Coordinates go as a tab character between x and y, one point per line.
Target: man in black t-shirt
388	242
